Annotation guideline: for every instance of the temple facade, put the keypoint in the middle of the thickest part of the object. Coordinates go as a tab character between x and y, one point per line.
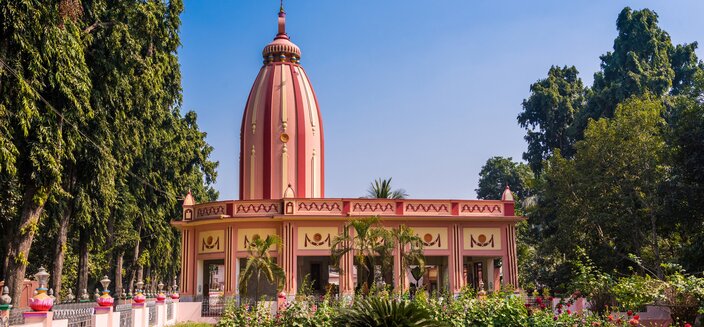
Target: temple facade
282	192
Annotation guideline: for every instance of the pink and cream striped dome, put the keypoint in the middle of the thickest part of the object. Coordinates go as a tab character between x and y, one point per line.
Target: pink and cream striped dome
281	141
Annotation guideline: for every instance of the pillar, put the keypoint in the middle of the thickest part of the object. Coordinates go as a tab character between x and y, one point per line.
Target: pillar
397	269
188	262
347	268
229	258
140	315
38	318
160	314
510	261
103	317
457	281
287	258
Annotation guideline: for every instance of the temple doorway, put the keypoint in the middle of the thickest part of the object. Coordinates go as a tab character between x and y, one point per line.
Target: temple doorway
314	273
483	273
213	278
257	289
436	277
375	275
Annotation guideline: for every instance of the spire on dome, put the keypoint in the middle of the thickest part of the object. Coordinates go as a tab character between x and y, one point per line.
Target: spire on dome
282	22
281	49
189	200
507	195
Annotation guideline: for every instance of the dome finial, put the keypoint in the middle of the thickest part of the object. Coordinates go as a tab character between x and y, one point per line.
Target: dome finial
282	20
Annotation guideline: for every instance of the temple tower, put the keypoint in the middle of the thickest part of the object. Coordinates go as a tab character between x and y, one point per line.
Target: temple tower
281	139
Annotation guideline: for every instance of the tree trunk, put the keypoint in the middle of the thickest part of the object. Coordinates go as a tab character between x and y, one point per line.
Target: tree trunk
135	269
83	261
21	241
118	272
60	251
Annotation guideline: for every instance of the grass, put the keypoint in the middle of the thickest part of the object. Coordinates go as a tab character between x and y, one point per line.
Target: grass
192	324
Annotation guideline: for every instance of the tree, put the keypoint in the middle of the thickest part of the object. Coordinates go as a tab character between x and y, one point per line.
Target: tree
260	263
497	173
370	244
684	192
410	249
44	80
93	141
381	189
607	198
549	112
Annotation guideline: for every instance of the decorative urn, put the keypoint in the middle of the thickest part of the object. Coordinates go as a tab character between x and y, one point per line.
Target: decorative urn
138	296
160	297
41	301
105	300
174	289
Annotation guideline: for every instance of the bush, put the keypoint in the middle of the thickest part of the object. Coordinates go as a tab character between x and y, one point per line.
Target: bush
376	311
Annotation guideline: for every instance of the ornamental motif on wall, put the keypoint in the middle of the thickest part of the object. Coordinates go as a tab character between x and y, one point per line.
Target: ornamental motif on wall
315	238
322	207
211	241
482	239
429	241
210	211
427	208
433	238
257	208
245	236
373	207
478	209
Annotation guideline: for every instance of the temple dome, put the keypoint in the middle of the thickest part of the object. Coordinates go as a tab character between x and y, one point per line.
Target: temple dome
281	48
281	137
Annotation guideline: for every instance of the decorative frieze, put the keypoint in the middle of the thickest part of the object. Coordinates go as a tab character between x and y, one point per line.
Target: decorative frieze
482	239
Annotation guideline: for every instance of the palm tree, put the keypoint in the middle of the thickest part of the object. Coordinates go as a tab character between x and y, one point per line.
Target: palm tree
370	241
410	250
260	262
381	189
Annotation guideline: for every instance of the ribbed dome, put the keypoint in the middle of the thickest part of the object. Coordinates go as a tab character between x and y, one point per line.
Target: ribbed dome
281	49
281	142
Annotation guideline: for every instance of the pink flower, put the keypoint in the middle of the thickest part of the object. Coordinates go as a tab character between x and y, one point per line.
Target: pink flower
686	324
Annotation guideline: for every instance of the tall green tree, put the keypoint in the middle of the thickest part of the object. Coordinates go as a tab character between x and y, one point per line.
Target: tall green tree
94	148
549	112
44	81
607	198
498	172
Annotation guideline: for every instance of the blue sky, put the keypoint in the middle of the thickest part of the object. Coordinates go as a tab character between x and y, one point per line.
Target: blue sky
421	91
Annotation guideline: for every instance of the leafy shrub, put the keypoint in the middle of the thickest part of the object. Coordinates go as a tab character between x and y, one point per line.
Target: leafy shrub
375	311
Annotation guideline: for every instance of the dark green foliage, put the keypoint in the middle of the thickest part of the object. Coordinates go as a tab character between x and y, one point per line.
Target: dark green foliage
618	164
92	139
499	172
549	112
375	311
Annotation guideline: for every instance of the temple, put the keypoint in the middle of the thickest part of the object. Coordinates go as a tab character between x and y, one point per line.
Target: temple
282	192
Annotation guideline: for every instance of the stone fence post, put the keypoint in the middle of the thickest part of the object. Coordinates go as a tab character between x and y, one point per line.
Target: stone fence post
5	307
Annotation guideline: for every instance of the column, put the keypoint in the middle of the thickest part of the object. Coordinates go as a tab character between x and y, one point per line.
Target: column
229	257
457	281
287	257
397	269
347	269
